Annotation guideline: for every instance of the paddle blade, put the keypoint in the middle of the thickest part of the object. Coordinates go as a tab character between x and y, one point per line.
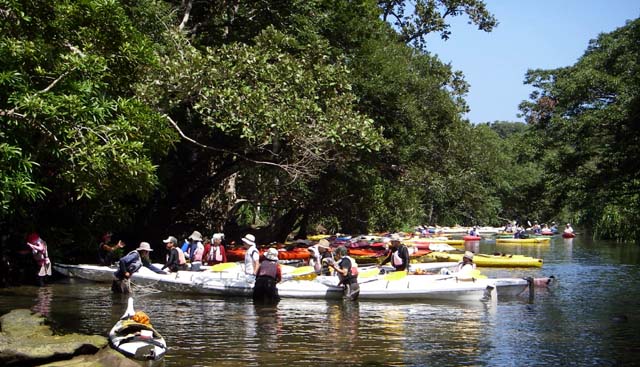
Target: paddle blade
369	273
224	266
396	275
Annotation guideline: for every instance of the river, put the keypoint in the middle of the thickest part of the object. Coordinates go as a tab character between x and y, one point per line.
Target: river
589	318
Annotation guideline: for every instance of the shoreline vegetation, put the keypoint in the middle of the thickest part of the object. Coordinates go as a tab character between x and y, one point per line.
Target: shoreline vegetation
148	119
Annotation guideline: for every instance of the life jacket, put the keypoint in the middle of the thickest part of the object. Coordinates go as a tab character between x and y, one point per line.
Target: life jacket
181	259
352	275
214	254
268	268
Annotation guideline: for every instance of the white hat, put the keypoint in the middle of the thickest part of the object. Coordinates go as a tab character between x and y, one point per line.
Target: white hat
468	255
272	254
196	236
217	236
249	240
144	246
395	237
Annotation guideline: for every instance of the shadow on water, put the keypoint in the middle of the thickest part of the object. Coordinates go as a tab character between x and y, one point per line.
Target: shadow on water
590	318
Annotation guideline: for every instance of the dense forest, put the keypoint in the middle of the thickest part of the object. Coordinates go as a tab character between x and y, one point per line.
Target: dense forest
289	117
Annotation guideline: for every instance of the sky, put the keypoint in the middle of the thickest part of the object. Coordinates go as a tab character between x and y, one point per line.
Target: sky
531	34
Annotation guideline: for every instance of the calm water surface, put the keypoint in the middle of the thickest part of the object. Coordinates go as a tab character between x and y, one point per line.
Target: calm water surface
590	318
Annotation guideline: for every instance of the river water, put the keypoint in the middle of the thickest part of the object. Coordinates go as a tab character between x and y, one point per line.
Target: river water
590	318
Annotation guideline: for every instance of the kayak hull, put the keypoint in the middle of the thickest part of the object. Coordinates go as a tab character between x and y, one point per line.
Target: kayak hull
372	286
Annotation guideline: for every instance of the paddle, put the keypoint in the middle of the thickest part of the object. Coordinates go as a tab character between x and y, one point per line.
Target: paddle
224	266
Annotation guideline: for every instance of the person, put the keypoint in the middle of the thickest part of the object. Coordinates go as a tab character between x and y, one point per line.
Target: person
347	271
474	231
520	233
194	240
175	257
466	267
40	254
554	227
251	255
106	252
319	252
268	274
568	228
215	253
536	228
399	254
131	263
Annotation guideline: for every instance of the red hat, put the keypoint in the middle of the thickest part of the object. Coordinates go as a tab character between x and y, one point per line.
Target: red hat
33	237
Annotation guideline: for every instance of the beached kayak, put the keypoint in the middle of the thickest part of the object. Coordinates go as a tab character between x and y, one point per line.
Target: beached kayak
134	336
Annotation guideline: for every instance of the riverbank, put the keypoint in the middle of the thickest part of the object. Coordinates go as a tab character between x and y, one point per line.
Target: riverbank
27	340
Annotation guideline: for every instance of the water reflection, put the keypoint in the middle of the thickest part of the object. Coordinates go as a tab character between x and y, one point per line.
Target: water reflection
43	301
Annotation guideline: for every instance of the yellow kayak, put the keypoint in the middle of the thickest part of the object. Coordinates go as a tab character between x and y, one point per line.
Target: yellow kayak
538	240
498	261
318	237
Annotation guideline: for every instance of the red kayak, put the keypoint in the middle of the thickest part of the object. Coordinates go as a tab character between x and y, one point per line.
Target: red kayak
471	238
568	235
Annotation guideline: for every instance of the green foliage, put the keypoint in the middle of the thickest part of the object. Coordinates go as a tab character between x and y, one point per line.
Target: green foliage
592	107
76	140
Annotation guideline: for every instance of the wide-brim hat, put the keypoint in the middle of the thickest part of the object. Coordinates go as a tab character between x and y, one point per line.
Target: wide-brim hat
217	236
272	254
395	237
468	255
324	244
196	236
144	246
249	239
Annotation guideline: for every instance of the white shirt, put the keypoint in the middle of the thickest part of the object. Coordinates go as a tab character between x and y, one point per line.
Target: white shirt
252	255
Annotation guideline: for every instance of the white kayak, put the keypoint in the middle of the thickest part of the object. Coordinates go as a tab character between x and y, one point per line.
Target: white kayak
136	340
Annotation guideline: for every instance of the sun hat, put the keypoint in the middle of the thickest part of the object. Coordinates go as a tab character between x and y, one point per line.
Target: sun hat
468	255
196	236
144	246
217	236
272	254
324	243
395	237
171	239
249	239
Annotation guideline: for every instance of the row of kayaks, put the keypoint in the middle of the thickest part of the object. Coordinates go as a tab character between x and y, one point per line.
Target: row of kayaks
373	285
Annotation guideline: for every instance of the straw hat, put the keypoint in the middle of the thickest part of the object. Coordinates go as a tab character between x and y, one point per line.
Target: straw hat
272	254
144	246
249	240
468	255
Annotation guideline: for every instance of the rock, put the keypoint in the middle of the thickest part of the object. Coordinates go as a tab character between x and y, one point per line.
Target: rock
25	339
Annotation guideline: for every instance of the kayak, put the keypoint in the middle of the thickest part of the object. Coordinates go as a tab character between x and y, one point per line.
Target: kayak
471	238
534	240
483	260
134	336
298	253
568	235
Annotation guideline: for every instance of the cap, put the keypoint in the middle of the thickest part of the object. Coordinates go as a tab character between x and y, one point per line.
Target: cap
171	239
